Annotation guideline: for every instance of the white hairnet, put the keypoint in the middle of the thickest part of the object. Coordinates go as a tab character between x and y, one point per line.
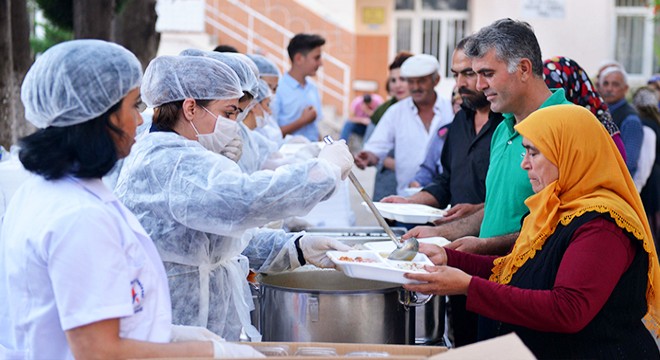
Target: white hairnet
245	68
263	91
265	66
77	81
174	78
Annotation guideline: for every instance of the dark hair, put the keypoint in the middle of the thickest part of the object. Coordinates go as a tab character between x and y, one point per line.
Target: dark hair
166	115
399	59
644	107
366	98
462	42
303	44
84	150
512	40
649	112
225	49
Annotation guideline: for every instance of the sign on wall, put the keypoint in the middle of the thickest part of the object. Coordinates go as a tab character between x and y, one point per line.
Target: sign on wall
544	9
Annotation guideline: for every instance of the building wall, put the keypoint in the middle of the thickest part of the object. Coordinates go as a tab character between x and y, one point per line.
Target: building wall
373	28
584	34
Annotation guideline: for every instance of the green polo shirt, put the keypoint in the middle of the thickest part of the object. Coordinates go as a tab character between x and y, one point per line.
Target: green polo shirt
507	184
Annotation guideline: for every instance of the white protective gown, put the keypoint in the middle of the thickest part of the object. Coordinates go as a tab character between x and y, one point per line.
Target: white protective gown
196	206
74	255
271	130
256	150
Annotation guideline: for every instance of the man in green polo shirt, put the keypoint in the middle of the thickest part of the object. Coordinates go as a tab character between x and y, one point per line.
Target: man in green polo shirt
507	59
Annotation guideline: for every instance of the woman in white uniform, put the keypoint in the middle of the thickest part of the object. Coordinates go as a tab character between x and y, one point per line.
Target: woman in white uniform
269	73
255	148
79	274
197	204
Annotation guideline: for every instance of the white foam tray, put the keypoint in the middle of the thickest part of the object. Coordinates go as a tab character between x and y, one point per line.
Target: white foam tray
381	269
409	213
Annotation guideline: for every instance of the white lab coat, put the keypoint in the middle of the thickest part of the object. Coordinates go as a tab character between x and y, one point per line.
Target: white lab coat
196	206
74	255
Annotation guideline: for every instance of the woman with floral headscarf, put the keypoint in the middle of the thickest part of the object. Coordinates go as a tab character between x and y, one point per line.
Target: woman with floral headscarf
584	271
562	72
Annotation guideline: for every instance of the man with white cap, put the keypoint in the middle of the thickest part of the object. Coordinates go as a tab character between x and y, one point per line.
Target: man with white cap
409	125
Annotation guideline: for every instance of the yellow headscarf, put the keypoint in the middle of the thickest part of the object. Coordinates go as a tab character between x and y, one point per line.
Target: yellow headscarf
592	177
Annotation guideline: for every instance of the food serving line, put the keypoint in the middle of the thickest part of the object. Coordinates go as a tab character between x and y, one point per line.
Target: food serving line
360	302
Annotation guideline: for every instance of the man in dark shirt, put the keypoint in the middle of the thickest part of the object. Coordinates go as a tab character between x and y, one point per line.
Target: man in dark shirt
464	159
465	156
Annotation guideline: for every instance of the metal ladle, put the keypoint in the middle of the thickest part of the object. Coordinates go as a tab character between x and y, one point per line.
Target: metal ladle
405	250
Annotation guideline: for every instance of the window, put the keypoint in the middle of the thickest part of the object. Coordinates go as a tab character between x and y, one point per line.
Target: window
444	4
430	27
403	34
405	4
633	41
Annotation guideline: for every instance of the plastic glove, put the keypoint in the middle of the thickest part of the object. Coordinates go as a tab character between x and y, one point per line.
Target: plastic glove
234	149
182	333
338	154
224	350
314	249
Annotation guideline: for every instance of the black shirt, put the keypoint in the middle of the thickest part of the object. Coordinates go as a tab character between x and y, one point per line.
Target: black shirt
465	157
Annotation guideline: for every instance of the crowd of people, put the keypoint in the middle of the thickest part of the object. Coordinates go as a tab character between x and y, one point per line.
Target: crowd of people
552	181
484	165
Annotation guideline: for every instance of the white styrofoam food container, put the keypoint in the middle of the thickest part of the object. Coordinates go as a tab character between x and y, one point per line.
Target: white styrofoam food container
374	265
409	213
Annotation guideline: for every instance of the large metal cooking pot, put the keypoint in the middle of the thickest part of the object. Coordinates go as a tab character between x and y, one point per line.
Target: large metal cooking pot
328	306
430	322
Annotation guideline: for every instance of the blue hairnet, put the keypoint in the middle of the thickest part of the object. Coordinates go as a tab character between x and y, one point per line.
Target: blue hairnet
265	66
263	92
76	81
174	78
246	70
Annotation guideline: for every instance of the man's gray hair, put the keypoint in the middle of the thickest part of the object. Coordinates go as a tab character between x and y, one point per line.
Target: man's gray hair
614	69
512	40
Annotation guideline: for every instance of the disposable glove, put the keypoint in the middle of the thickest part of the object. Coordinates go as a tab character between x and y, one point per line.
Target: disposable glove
337	153
225	350
181	333
234	149
314	249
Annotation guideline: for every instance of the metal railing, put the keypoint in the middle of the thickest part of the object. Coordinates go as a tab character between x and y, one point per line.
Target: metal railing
337	88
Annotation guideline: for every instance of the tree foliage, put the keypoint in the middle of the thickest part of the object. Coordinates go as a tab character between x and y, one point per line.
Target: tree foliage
60	12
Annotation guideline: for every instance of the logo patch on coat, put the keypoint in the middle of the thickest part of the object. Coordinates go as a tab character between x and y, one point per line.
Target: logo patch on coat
137	293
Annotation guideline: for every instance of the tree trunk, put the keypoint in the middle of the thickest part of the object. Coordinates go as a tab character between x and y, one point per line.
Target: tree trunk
135	29
92	19
22	59
6	75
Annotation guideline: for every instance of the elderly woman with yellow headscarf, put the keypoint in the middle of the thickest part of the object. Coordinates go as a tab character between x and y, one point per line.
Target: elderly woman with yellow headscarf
583	272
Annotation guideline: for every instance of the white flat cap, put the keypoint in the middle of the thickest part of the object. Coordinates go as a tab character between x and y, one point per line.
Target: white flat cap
420	65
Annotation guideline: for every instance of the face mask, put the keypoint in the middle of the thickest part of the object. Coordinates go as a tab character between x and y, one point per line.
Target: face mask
261	121
225	131
246	111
